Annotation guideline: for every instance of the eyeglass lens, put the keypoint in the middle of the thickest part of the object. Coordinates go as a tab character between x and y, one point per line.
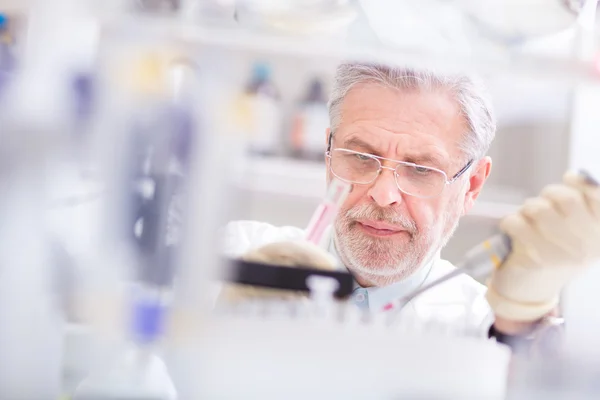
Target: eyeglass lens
363	169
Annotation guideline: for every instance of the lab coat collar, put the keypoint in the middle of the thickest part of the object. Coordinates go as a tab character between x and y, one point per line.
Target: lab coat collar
379	297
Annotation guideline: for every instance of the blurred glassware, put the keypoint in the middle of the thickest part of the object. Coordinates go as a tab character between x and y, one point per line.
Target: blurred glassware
574	5
138	373
516	21
262	99
311	116
221	12
301	17
468	27
426	25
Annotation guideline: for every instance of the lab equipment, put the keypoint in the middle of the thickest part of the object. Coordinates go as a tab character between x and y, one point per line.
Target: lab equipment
480	261
282	254
554	239
157	131
278	340
282	277
327	363
315	17
139	373
327	210
306	138
304	253
263	101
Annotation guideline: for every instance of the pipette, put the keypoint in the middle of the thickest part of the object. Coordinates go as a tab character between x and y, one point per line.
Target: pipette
480	261
326	211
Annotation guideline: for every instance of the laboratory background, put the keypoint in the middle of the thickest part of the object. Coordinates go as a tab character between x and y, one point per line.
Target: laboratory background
133	131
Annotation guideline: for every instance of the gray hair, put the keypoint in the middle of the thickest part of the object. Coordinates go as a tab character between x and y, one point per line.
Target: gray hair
469	92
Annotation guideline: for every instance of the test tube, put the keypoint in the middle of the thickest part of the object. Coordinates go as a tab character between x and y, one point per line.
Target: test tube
321	293
326	211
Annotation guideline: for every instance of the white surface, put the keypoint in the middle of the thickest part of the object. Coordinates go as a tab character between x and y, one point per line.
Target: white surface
427	24
580	308
269	361
584	148
31	339
136	374
580	297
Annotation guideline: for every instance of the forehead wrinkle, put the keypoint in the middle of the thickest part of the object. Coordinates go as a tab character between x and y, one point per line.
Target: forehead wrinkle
355	142
424	117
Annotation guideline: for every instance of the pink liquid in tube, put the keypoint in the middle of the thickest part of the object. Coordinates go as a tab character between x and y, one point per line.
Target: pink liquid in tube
326	211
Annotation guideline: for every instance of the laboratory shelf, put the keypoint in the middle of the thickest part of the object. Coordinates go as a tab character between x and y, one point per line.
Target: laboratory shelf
498	58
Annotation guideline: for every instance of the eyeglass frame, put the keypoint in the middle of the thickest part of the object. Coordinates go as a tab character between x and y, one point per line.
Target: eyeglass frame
381	167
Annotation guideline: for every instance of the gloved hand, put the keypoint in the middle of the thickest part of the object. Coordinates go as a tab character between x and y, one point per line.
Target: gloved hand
290	254
554	237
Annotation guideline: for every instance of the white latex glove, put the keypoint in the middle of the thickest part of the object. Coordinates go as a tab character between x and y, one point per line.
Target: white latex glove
554	236
289	254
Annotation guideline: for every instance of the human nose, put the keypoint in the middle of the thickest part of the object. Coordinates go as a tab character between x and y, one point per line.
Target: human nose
384	191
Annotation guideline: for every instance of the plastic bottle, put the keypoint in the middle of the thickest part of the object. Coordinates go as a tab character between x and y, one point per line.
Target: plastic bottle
307	139
264	107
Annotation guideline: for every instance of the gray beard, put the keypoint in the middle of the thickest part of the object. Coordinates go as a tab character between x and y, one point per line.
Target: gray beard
375	263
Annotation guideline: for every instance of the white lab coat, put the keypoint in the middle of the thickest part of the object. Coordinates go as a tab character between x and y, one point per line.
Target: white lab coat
458	303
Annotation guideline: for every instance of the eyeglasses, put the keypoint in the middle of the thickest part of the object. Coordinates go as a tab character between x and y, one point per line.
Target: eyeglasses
415	180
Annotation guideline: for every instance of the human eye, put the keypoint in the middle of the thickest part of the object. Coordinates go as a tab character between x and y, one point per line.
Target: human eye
363	157
421	170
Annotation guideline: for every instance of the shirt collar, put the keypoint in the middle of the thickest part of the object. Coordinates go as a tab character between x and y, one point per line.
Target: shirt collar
378	297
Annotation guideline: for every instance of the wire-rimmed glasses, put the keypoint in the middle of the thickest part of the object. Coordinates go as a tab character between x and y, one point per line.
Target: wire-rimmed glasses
413	179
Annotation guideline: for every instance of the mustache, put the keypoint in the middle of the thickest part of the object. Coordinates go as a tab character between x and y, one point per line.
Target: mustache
389	215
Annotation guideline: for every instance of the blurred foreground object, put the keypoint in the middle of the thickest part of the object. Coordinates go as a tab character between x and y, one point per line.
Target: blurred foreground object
31	317
566	377
303	358
144	189
39	115
289	254
314	17
309	253
468	26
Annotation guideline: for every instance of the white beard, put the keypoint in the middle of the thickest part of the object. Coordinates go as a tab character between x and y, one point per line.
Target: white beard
380	262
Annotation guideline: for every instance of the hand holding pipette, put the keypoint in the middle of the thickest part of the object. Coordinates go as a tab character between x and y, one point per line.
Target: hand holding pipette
299	253
552	238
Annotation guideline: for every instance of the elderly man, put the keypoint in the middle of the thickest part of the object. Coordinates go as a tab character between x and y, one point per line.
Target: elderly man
413	144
